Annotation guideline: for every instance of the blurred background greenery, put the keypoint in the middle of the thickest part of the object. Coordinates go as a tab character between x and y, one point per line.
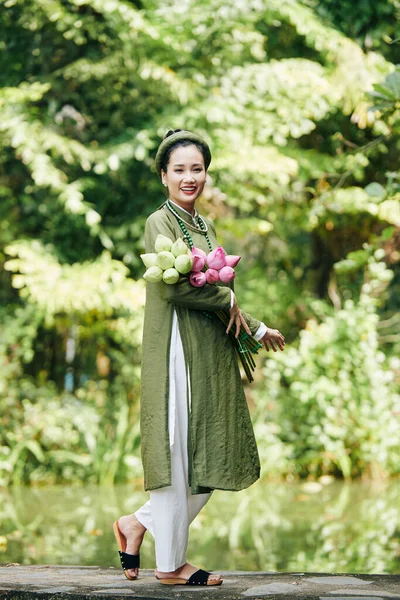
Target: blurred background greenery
300	103
323	526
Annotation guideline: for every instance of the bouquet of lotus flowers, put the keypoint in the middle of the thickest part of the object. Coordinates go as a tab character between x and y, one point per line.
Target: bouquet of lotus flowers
169	262
174	259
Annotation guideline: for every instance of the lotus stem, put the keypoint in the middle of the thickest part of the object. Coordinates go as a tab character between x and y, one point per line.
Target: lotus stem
245	346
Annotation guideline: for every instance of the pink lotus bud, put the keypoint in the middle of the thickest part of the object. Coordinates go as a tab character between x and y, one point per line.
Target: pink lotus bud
199	252
226	274
199	259
212	276
198	263
198	279
231	260
216	258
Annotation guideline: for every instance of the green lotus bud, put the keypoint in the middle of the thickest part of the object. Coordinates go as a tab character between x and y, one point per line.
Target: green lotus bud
170	276
165	260
183	263
163	244
153	274
179	247
150	260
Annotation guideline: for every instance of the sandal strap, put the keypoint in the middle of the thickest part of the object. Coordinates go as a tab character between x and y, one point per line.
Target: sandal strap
199	578
129	561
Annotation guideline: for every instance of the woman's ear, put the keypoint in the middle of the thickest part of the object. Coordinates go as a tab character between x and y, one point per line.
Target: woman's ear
163	178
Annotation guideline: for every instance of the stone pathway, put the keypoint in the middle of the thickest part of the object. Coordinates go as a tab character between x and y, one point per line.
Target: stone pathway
22	582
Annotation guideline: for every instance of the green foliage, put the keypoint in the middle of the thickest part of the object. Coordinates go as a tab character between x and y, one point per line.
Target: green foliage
334	398
50	435
386	98
375	25
101	285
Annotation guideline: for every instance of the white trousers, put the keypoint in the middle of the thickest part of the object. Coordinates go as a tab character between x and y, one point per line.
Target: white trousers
169	512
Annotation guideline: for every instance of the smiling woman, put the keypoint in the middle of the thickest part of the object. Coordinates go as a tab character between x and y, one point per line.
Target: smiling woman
196	430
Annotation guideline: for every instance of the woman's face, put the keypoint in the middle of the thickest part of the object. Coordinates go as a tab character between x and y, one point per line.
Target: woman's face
185	176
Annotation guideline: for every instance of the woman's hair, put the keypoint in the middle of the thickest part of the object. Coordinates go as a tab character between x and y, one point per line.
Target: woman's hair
182	143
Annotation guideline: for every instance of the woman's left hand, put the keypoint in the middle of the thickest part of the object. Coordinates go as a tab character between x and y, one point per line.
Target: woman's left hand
273	338
237	320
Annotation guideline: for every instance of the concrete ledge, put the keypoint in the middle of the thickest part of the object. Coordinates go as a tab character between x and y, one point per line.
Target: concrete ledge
42	582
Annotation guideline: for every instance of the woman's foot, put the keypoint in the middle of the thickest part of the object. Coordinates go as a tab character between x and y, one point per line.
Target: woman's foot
133	531
185	572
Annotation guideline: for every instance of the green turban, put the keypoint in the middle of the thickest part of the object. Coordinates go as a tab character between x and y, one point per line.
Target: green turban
177	137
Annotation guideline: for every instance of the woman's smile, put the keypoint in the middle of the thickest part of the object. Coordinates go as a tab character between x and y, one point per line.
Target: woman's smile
189	189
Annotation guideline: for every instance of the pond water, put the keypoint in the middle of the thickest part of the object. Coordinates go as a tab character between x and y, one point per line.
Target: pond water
330	526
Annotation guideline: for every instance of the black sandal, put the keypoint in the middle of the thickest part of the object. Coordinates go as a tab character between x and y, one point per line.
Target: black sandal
128	561
200	577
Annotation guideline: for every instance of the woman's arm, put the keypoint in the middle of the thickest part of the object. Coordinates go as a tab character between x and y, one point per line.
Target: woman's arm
210	297
270	338
253	324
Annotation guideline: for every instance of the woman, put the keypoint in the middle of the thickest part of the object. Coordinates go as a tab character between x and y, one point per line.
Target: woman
196	430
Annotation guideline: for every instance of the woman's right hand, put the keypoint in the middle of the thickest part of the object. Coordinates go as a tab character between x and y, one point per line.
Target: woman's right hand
237	319
272	337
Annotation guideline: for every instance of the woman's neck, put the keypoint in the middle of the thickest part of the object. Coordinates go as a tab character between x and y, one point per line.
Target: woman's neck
189	207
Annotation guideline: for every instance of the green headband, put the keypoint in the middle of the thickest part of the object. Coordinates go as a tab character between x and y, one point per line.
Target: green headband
177	137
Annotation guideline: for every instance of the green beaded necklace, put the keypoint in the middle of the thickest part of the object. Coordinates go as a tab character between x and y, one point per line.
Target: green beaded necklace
202	227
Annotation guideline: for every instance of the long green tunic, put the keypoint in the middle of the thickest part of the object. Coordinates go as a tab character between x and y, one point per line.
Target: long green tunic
221	444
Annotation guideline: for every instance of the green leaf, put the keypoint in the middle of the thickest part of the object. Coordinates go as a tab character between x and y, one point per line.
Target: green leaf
376	190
